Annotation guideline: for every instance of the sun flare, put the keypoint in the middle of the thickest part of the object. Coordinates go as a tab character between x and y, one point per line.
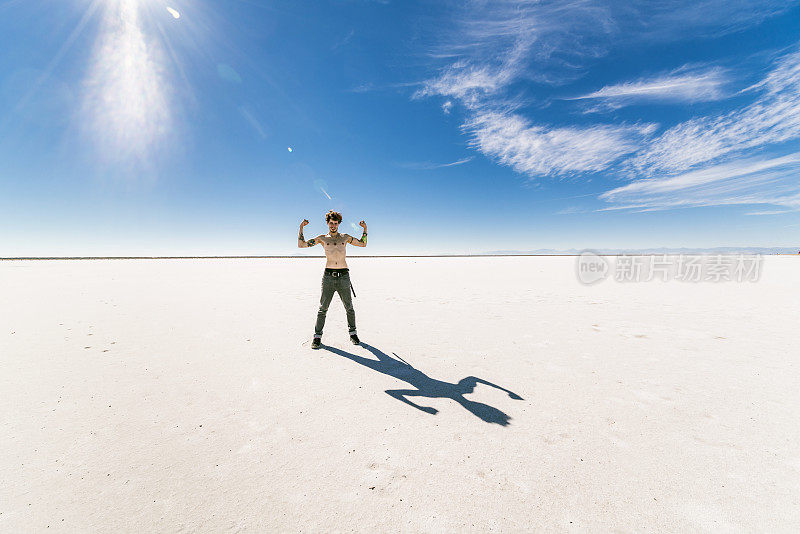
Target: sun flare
127	96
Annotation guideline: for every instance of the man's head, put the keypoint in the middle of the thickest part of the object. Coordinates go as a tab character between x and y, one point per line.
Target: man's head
333	219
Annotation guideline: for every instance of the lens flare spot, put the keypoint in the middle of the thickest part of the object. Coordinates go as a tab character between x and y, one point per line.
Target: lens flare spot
322	187
173	12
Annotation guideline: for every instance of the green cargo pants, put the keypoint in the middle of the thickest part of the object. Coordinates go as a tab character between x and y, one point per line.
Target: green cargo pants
335	281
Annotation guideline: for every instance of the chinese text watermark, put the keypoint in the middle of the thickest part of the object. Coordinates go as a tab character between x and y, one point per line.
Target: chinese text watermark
593	268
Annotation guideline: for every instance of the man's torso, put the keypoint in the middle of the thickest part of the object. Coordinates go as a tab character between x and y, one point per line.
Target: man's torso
335	250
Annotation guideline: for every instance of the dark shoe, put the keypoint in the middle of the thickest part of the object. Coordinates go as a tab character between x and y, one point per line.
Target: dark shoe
354	339
316	343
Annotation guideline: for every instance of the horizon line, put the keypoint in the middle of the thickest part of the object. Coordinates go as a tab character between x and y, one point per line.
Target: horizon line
74	258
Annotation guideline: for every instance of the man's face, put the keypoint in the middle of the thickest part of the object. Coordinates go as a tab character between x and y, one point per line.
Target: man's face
333	225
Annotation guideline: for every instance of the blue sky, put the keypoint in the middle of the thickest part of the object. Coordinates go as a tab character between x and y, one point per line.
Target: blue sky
150	127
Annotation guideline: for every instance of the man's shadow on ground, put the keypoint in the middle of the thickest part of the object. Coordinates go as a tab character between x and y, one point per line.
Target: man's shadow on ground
427	386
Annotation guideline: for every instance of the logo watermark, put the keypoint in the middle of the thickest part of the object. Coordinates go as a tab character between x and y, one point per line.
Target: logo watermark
592	268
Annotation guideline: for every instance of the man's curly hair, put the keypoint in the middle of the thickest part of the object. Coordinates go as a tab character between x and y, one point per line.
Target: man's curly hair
335	215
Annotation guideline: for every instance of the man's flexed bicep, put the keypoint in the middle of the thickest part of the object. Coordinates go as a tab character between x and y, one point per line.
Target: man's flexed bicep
301	241
359	242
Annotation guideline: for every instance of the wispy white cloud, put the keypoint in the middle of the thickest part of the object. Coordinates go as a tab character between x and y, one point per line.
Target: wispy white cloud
774	117
671	19
500	133
343	40
512	140
363	88
769	212
496	45
749	181
784	74
366	87
427	166
680	85
467	83
570	210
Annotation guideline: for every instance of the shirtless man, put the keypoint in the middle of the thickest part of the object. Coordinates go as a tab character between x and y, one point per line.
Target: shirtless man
337	275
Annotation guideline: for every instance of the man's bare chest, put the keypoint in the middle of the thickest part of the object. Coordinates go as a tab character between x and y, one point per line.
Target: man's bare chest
334	244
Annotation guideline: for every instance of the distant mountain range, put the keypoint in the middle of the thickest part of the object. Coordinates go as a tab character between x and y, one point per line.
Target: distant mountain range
601	251
662	250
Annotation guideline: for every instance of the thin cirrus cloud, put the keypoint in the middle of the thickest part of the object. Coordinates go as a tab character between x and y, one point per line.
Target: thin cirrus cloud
773	117
496	47
468	84
494	44
749	181
677	86
698	162
769	212
512	140
427	166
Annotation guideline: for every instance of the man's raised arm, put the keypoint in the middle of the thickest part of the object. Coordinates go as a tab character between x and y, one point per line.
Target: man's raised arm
363	241
301	241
